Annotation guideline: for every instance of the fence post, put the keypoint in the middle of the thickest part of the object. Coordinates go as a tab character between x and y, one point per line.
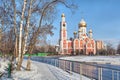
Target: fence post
118	75
51	61
70	67
70	70
112	74
64	65
58	63
80	71
100	73
47	61
54	62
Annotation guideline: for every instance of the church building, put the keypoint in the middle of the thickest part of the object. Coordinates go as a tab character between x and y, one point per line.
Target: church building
82	43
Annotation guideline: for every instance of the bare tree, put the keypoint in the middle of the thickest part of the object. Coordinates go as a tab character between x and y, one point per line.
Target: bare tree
30	20
20	57
118	49
15	32
26	34
102	52
46	10
6	21
110	49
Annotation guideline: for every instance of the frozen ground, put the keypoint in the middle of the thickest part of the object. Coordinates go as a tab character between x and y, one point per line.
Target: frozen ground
41	71
62	75
99	59
3	65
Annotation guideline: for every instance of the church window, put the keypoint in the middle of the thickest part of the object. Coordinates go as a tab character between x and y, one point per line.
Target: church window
63	24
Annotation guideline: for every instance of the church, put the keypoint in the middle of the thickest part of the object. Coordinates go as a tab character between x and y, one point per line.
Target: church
82	43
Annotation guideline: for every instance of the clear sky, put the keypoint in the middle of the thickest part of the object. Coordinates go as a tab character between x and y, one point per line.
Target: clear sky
102	16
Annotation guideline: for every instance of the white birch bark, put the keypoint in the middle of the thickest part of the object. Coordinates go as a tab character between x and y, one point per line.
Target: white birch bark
27	28
21	26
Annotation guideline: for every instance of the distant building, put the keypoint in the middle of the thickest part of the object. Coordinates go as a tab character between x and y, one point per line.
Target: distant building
100	45
82	43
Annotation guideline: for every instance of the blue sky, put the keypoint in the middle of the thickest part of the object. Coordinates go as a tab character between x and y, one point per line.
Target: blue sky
102	16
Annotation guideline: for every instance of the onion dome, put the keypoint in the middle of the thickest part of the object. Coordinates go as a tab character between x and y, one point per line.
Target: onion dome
82	23
90	31
63	15
74	32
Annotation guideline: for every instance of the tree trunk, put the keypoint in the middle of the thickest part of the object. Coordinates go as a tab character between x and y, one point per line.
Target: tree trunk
28	24
26	35
20	57
32	44
16	49
28	67
20	63
15	32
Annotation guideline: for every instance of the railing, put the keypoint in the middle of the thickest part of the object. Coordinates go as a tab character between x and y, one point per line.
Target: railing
91	70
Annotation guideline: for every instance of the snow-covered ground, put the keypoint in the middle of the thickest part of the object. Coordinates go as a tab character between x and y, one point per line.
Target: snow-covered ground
62	75
3	65
115	60
42	71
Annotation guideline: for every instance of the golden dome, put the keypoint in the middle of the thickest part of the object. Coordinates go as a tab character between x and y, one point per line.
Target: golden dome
75	32
63	15
82	23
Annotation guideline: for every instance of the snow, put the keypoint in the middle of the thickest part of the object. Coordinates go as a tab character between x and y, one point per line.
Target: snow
3	65
62	75
115	60
41	71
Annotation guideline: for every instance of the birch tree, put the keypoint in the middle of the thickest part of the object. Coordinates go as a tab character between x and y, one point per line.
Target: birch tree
15	32
30	20
26	33
20	57
46	10
118	49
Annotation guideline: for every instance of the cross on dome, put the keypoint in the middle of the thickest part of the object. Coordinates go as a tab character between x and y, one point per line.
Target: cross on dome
82	23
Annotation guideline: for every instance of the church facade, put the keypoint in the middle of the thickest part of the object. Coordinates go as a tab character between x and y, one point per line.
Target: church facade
82	43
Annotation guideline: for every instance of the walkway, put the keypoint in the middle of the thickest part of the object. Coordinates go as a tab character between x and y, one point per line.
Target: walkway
42	71
39	71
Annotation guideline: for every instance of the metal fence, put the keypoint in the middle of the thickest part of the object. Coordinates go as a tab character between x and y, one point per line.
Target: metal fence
91	70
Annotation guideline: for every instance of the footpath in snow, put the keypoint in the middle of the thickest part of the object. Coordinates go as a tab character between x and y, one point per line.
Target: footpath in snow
42	71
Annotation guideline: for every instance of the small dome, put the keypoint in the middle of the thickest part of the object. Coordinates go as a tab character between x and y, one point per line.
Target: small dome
63	15
82	23
75	32
90	31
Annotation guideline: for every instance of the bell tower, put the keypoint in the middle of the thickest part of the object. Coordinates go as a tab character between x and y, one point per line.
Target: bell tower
63	35
63	30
